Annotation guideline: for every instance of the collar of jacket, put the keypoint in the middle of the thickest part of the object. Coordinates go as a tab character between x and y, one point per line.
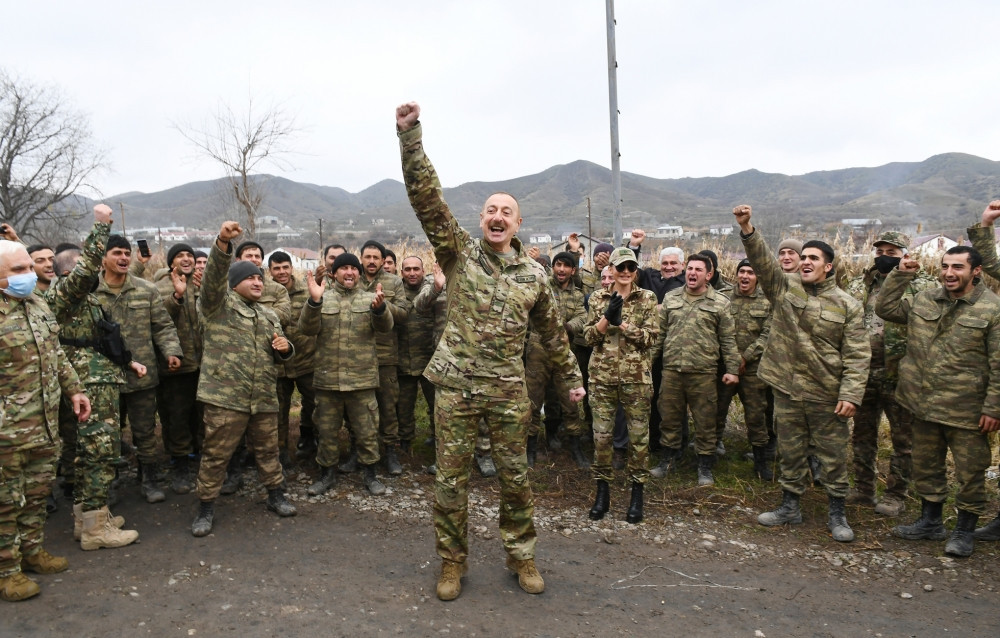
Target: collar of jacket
343	290
757	292
824	286
519	258
940	294
126	285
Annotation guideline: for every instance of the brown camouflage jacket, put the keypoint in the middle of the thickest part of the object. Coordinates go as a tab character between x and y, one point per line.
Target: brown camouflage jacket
184	314
387	343
303	362
622	355
696	333
752	320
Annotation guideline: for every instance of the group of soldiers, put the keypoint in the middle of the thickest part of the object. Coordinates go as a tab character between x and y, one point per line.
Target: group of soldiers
649	358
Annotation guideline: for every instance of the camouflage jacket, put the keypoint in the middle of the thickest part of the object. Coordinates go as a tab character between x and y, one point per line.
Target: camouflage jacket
145	323
984	240
305	345
238	366
818	349
345	327
951	371
184	314
77	311
696	333
434	302
34	374
416	336
622	355
491	298
887	339
571	308
275	297
589	280
387	343
752	320
724	288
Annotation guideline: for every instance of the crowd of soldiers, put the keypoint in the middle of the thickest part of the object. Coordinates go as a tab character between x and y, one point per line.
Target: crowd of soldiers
642	362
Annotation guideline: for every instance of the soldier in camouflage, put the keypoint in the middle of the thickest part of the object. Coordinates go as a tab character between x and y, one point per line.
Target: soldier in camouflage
345	321
816	360
953	335
888	344
416	345
495	289
243	344
34	374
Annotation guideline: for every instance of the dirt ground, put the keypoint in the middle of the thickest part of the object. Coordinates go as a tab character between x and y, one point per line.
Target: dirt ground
350	565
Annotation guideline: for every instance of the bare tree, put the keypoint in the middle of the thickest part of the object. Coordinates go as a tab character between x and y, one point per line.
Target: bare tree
47	154
243	143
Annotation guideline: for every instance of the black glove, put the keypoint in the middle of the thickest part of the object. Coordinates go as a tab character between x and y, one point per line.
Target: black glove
613	313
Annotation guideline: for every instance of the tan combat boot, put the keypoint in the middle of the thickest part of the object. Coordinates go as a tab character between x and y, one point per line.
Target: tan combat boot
450	581
527	575
18	587
44	563
116	521
99	531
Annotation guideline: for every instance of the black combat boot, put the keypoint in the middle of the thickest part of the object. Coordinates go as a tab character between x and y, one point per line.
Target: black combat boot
990	531
392	466
962	539
149	488
705	463
928	527
602	502
760	465
634	513
374	486
787	512
667	458
180	482
277	503
351	464
532	449
234	476
837	521
576	451
327	479
202	525
305	449
816	469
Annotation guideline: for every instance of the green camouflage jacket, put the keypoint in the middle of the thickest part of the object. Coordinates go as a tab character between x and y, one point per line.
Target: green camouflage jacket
345	328
887	339
589	280
951	371
416	336
184	314
984	240
139	310
696	333
34	374
387	343
571	308
752	320
818	349
433	302
276	298
238	365
305	345
491	298
622	356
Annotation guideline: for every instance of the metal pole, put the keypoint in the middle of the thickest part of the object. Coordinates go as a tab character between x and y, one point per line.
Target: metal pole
616	171
121	207
590	232
321	238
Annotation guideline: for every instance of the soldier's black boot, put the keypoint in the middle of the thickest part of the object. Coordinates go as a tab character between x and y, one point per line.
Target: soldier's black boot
760	465
532	449
990	531
634	513
392	466
787	512
837	521
202	524
962	539
602	502
277	503
234	476
576	451
816	469
305	449
705	463
372	484
667	458
327	479
148	488
928	527
351	464
180	482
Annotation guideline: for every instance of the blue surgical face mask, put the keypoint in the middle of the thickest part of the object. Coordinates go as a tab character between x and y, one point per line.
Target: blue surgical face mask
21	286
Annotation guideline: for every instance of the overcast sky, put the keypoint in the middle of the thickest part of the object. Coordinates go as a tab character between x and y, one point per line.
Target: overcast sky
510	88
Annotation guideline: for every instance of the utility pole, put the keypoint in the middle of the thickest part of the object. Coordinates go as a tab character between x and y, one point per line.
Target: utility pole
616	170
321	238
590	232
121	207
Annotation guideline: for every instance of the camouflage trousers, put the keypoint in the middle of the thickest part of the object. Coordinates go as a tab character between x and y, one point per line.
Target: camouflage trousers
808	427
540	376
879	397
223	430
970	450
26	476
409	386
388	398
678	392
458	414
753	395
68	425
286	386
635	399
98	444
180	414
583	360
139	409
362	411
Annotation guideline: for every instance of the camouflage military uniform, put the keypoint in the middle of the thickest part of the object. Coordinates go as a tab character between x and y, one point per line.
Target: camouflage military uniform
817	354
888	345
298	371
478	366
752	320
956	341
620	373
137	307
695	333
237	379
346	369
276	297
34	373
416	345
435	302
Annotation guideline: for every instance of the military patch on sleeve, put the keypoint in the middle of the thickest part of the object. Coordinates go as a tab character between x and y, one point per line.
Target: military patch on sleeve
525	279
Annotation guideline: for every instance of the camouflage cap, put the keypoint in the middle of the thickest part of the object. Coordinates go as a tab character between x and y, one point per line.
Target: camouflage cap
895	238
622	255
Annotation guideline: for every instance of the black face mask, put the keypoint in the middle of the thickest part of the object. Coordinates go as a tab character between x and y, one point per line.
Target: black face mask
885	263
